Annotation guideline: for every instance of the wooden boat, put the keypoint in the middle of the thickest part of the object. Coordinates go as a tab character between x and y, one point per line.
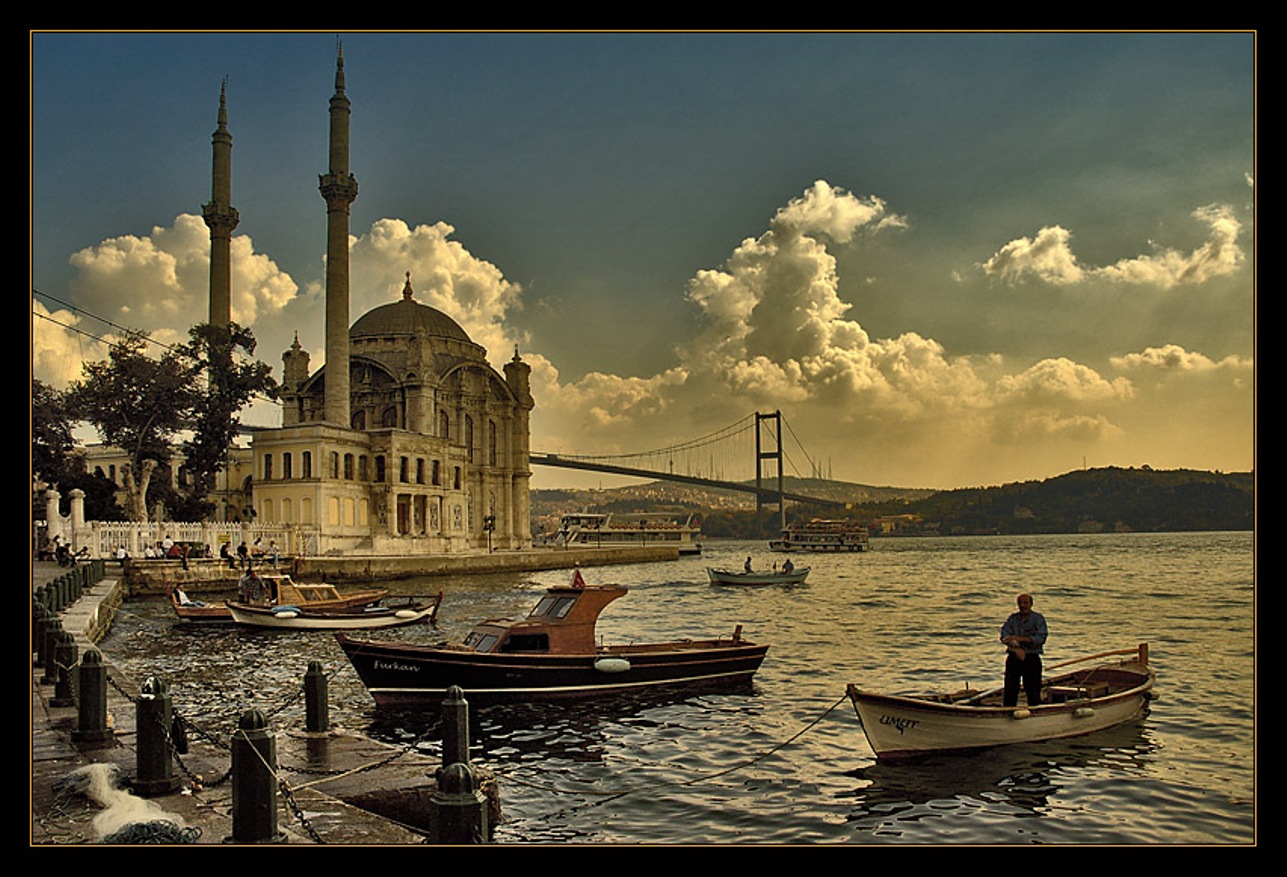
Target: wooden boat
823	535
1077	702
273	589
550	654
414	610
757	577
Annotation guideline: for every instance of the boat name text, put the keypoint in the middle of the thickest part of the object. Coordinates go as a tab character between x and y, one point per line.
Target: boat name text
395	666
899	722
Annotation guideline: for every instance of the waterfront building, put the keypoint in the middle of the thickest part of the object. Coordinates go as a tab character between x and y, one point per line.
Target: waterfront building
406	441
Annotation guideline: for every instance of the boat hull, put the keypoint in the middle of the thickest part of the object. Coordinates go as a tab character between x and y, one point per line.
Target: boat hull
731	577
900	727
402	675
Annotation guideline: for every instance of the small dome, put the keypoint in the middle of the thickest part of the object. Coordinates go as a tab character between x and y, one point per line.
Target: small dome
407	317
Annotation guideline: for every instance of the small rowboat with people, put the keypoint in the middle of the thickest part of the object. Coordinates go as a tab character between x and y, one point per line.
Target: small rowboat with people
792	576
271	589
1103	694
408	610
551	654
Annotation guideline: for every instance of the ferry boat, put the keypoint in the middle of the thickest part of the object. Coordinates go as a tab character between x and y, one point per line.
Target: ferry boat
640	528
822	535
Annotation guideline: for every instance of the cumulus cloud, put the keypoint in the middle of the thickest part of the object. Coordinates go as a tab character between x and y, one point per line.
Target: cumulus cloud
1173	357
444	275
771	331
1049	257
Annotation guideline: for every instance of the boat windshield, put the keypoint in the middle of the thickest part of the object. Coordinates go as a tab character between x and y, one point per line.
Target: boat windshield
481	642
554	607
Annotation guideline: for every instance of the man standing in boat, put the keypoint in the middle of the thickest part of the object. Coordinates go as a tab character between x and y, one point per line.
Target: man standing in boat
1024	635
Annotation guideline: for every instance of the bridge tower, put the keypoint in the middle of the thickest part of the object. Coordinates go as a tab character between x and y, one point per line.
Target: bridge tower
774	422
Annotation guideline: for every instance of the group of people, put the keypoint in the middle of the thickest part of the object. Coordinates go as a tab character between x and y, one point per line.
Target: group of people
247	554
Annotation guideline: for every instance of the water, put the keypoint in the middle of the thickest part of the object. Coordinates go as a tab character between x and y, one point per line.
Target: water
786	761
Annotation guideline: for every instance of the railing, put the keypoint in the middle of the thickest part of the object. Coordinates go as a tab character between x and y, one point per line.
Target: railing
105	537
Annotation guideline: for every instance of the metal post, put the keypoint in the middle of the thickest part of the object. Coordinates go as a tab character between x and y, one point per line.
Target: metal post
65	660
91	718
254	782
154	719
316	709
459	808
52	633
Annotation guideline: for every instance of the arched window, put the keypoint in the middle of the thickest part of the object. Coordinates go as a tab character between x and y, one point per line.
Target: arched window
444	425
390	416
307	464
491	443
469	438
359	420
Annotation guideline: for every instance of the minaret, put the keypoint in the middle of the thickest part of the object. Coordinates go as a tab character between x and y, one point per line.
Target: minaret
339	188
221	217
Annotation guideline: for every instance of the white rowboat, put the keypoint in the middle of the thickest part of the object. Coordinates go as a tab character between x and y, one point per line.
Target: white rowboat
1073	703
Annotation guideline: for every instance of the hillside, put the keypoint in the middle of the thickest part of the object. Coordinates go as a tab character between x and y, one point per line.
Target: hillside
1082	501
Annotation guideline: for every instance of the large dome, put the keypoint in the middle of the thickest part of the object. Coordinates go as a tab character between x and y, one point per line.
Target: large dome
407	317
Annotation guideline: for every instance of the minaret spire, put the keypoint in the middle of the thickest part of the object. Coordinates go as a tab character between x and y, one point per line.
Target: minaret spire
339	189
221	218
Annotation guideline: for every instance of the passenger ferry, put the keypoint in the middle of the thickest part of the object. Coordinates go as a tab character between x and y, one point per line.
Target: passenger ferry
822	535
640	528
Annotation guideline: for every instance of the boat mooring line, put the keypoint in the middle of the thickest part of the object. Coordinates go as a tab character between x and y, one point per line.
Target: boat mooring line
607	796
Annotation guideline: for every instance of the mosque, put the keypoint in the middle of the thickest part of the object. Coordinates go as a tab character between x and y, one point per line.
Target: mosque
406	441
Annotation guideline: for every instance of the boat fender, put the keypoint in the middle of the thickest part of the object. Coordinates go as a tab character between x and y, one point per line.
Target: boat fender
1083	712
285	611
612	665
1021	714
405	613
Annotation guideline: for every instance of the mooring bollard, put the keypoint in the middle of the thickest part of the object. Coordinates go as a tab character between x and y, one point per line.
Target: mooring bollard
316	709
254	782
91	715
154	719
460	809
52	634
39	618
65	659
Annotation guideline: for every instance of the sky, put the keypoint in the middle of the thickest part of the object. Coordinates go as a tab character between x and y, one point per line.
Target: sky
948	259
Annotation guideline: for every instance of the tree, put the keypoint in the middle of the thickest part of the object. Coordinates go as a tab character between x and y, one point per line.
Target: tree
137	404
223	356
53	449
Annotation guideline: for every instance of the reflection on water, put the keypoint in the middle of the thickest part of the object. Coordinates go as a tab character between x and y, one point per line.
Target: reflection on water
785	761
1019	779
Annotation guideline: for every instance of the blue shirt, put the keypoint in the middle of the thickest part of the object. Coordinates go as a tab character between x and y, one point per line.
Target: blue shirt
1033	627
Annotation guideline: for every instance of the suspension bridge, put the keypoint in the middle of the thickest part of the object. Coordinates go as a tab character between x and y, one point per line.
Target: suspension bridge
733	458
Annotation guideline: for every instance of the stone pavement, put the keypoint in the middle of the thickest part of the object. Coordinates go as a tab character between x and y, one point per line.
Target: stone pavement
393	785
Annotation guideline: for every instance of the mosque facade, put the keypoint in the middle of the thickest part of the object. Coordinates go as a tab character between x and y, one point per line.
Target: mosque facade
406	441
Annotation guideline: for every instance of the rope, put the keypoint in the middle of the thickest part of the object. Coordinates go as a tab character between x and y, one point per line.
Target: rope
613	795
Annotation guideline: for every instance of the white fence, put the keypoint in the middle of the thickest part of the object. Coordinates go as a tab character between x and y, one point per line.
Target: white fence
103	538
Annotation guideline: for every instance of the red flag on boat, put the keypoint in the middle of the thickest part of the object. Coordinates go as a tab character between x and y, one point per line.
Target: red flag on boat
578	581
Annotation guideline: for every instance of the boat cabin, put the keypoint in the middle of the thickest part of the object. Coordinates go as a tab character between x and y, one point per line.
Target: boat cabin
280	589
562	623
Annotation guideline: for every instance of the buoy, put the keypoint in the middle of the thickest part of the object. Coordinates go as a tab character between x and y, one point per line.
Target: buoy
405	613
1083	712
285	612
612	665
1021	714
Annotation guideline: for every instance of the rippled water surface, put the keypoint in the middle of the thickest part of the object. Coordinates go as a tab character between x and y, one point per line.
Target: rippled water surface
785	761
